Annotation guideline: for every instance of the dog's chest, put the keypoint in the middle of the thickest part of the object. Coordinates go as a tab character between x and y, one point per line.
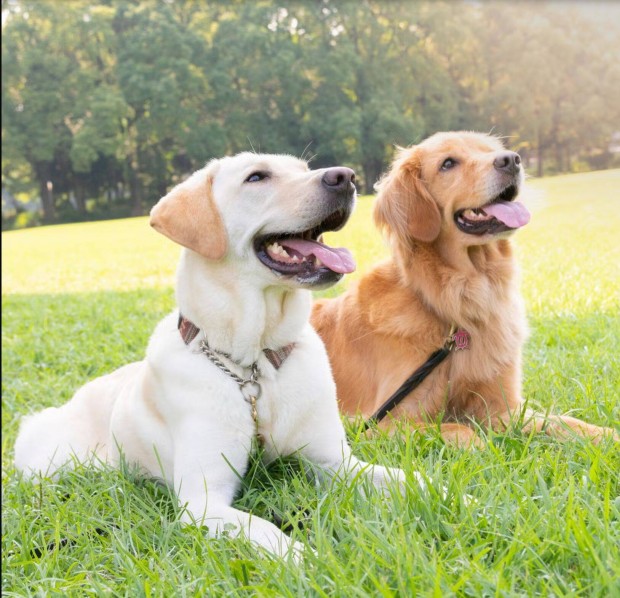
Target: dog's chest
295	401
279	414
491	347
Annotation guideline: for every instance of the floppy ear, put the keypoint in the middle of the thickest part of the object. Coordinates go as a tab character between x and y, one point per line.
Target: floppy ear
404	206
189	216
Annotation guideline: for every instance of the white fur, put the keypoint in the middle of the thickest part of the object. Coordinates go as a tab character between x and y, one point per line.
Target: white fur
181	418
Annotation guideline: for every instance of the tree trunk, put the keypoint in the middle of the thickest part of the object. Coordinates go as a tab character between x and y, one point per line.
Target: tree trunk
80	195
135	189
372	171
559	157
43	172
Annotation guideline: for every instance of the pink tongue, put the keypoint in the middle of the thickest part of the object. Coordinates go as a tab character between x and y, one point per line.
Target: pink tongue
511	213
336	259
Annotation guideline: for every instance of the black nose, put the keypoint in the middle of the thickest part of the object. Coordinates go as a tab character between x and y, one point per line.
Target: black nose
509	162
338	179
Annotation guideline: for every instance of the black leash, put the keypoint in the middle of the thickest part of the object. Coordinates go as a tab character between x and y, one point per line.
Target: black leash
417	377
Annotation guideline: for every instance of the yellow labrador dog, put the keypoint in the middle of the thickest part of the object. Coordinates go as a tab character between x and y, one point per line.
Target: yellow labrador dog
238	361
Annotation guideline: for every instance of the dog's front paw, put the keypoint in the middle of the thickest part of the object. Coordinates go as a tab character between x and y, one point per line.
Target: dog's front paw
282	546
385	477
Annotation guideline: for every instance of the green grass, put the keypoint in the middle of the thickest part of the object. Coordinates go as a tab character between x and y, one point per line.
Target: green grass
80	300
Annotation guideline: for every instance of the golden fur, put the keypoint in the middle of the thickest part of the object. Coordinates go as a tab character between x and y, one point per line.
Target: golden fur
387	325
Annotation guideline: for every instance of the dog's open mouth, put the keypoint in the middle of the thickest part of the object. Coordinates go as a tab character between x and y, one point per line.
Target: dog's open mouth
303	254
501	214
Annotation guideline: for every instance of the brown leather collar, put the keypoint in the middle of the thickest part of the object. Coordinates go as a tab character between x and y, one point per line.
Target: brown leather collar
189	331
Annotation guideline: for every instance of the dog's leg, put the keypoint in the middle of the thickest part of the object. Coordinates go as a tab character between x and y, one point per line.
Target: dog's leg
206	482
221	519
562	427
335	460
380	476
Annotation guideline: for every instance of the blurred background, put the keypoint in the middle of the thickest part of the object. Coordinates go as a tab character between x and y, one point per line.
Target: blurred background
106	104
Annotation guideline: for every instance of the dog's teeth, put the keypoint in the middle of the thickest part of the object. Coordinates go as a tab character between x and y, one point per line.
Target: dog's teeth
318	262
474	214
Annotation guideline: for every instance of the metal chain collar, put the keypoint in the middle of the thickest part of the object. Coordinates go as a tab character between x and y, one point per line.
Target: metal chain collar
250	387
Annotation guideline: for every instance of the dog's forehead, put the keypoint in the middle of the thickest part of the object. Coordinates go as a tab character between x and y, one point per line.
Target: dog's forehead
246	162
464	142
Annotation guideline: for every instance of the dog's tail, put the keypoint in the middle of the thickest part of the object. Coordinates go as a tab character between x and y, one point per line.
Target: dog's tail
78	431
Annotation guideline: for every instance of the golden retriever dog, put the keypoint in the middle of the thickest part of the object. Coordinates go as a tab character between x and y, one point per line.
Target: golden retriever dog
237	363
449	208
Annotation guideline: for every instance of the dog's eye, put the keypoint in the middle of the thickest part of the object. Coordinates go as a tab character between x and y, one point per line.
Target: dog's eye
255	177
448	163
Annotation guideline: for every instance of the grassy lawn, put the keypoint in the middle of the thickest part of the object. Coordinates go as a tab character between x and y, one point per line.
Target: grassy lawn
80	300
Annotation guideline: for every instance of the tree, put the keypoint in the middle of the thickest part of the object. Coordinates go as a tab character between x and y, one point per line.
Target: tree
38	73
377	84
160	81
101	97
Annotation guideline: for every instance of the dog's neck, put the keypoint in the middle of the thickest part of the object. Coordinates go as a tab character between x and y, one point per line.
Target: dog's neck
475	260
239	315
465	285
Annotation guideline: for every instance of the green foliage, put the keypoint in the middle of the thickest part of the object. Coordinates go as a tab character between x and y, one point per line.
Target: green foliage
80	300
115	101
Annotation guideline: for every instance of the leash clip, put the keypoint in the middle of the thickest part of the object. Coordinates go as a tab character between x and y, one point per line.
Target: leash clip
458	339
